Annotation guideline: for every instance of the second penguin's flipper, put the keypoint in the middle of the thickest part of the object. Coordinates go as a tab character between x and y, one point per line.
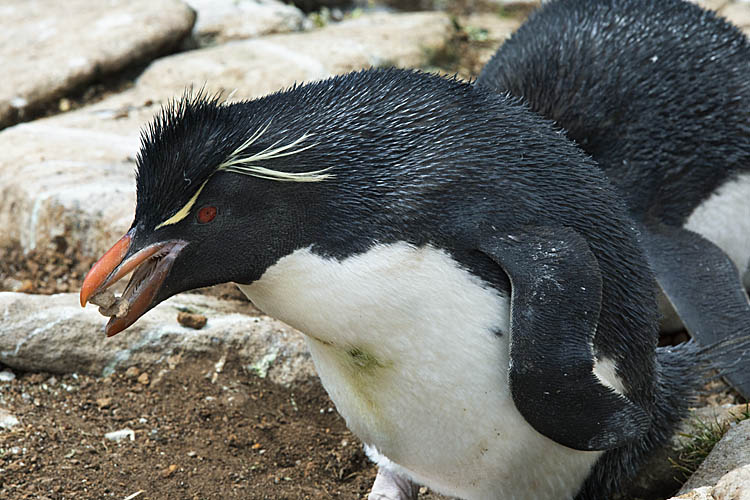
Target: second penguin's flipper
556	291
705	289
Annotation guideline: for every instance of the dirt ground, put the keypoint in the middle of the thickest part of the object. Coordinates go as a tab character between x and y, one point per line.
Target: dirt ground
197	434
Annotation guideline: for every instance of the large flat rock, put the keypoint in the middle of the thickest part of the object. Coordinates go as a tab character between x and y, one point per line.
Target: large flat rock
734	485
738	13
71	175
222	20
256	67
712	4
53	333
48	47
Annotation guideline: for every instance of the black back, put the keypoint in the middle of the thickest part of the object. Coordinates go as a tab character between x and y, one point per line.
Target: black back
658	92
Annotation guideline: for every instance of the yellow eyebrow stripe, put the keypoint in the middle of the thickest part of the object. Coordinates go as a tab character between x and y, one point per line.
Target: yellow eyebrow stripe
184	211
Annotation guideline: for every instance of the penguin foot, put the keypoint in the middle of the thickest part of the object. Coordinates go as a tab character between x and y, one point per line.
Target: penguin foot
390	486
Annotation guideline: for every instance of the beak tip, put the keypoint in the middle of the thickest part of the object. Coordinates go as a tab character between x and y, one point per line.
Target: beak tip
101	270
85	293
112	328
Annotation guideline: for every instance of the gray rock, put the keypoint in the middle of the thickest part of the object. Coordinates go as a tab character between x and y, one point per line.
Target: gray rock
54	334
224	20
712	4
734	485
7	420
491	29
732	452
76	183
71	175
704	493
739	15
49	47
256	67
7	376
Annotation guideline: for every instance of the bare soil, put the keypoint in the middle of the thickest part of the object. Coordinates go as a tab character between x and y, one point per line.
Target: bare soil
197	434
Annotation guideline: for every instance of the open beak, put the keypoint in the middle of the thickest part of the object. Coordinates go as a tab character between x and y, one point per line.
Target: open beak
150	265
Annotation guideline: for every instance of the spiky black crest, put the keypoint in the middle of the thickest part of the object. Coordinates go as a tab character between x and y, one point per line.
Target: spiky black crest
180	150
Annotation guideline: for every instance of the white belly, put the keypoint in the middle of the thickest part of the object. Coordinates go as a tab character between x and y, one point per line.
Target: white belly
413	350
724	219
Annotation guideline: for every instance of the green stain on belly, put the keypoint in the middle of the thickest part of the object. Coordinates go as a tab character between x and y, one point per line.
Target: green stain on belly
365	376
368	376
364	362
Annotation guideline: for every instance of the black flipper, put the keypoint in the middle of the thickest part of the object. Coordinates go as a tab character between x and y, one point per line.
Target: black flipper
555	302
705	289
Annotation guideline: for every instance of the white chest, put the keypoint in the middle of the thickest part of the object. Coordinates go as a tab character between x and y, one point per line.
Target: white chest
413	350
724	219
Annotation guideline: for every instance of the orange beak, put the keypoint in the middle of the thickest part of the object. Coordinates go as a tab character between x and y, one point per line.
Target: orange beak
151	266
97	275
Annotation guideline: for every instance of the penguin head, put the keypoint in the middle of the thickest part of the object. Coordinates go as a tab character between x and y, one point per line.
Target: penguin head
222	193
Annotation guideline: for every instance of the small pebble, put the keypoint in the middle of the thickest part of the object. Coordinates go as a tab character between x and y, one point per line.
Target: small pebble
104	402
7	376
103	299
24	286
143	378
118	309
109	305
168	471
174	360
191	320
132	372
117	436
7	421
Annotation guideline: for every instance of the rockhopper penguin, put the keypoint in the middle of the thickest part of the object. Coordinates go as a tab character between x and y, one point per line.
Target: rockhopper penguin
471	287
658	93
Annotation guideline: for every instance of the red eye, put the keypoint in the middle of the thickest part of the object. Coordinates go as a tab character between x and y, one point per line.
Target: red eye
206	214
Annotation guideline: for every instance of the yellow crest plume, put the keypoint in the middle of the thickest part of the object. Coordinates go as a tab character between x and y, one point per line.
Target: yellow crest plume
248	165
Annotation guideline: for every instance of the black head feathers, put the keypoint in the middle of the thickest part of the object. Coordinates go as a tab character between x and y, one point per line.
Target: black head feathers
180	150
194	137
